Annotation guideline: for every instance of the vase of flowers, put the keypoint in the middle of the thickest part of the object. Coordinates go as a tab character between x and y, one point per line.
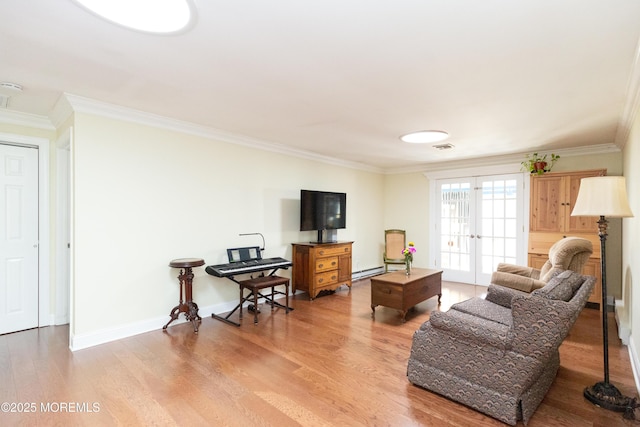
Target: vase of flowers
408	257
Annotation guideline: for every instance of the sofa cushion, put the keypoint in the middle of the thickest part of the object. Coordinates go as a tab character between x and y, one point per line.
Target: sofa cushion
485	309
561	287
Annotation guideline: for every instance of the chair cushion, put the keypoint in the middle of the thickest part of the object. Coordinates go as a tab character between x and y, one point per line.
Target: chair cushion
484	309
561	287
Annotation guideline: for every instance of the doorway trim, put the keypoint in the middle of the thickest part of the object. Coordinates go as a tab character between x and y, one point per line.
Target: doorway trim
44	247
61	314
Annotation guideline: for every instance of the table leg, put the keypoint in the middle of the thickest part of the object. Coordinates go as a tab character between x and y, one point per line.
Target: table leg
286	297
255	305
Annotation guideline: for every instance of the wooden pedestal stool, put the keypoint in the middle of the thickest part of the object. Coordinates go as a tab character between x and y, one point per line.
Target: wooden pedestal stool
188	307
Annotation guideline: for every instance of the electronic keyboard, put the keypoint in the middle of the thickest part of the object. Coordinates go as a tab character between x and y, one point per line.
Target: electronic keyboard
249	266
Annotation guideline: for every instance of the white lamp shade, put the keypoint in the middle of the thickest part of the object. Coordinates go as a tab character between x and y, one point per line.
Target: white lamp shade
602	196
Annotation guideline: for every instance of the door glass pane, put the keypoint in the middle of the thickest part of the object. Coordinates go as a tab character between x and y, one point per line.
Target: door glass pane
498	221
454	215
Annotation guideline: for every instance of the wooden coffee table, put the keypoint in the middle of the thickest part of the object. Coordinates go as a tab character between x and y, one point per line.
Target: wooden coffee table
402	292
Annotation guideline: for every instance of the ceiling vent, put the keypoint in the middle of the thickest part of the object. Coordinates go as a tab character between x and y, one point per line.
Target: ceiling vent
12	87
6	90
446	146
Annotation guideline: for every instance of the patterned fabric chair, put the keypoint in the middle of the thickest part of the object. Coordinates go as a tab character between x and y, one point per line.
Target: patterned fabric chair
570	253
499	355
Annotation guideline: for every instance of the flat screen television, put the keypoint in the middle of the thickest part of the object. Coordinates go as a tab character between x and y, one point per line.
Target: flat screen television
322	210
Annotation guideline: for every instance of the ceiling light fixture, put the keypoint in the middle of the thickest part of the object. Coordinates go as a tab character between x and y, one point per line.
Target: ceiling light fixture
149	16
425	136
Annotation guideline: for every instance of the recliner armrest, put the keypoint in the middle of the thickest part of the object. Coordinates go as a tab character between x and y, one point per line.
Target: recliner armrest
515	281
539	324
520	270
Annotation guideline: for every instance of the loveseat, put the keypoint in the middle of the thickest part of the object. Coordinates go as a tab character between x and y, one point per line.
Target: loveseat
499	354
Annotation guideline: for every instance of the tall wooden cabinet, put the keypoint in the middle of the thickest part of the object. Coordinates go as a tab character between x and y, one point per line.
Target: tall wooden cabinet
553	196
321	267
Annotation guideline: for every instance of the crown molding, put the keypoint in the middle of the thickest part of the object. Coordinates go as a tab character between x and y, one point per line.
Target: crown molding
17	118
61	111
507	159
69	103
90	106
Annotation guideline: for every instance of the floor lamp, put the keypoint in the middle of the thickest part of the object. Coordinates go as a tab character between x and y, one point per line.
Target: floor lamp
605	196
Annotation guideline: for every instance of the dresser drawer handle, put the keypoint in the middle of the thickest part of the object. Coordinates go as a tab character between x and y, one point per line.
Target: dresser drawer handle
320	265
320	280
321	252
333	263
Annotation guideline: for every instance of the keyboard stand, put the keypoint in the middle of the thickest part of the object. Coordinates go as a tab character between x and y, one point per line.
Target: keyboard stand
254	286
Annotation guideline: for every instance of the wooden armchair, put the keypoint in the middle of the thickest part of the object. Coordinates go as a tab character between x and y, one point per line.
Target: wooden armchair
394	243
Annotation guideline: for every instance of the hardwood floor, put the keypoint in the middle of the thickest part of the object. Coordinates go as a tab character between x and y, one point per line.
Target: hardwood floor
327	363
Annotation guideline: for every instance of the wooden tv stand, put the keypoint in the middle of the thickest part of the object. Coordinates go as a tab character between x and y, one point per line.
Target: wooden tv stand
321	267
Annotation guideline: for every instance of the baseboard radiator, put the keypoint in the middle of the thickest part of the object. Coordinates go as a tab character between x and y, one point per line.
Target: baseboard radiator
363	274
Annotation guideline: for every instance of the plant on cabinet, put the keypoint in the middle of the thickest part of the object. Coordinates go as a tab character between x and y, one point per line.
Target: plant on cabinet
536	163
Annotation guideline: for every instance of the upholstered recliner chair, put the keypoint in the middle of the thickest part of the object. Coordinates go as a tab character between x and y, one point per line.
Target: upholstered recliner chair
570	253
499	354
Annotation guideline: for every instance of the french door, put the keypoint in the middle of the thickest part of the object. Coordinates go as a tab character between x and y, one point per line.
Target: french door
480	223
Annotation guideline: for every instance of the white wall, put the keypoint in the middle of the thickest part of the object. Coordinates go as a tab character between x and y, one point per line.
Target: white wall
144	196
406	207
629	316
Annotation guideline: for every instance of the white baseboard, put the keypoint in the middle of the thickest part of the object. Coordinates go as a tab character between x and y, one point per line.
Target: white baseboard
82	341
635	362
623	328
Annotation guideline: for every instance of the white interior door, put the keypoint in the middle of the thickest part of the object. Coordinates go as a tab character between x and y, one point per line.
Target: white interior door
18	238
480	224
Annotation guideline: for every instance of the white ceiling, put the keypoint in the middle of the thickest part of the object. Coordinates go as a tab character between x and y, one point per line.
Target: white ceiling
346	78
